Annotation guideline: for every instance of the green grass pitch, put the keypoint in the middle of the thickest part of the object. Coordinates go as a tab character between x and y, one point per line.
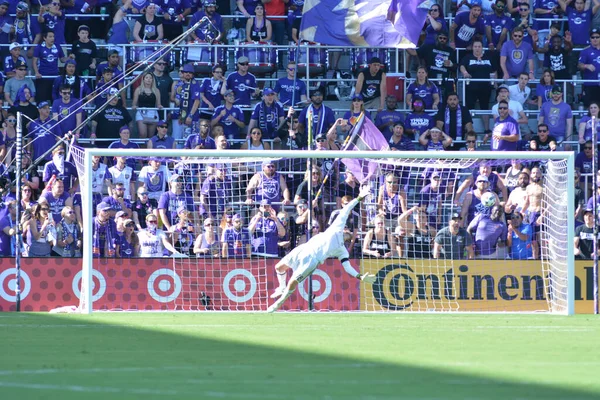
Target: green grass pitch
298	356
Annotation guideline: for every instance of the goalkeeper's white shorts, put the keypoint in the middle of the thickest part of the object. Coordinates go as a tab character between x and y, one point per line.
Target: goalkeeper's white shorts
302	262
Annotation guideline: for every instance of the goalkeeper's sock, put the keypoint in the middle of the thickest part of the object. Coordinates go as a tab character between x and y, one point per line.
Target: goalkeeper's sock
281	278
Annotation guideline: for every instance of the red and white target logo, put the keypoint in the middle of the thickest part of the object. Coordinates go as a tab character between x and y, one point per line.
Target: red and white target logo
98	285
239	285
164	285
321	285
8	285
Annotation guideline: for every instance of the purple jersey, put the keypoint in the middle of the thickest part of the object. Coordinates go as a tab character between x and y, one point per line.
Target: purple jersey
487	234
236	241
424	91
506	127
48	58
555	116
591	55
56	204
265	237
517	57
172	203
230	129
243	87
463	34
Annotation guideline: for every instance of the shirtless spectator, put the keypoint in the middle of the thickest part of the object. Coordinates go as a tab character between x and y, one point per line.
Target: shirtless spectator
534	191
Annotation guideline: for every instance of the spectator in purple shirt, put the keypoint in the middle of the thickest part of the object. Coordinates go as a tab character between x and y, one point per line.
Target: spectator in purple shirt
585	123
45	65
61	169
398	141
465	26
490	234
505	134
387	119
173	201
434	23
424	89
516	56
557	115
43	132
589	64
210	92
497	26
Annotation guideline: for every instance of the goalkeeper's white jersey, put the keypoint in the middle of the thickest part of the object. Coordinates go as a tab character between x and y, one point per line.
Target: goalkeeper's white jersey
331	242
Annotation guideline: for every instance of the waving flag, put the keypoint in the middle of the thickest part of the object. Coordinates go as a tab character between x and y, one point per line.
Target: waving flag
364	136
382	23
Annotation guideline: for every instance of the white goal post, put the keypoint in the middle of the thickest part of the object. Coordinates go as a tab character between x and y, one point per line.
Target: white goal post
557	252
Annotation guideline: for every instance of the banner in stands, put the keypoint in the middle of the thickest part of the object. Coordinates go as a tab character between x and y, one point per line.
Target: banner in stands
162	284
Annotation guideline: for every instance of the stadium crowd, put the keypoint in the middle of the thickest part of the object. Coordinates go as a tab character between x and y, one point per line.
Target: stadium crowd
507	57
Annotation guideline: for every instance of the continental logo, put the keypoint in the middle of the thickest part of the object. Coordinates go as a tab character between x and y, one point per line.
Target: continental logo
400	286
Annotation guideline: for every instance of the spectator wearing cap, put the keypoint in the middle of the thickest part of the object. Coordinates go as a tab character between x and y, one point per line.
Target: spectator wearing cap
78	88
399	141
490	234
268	115
513	55
147	97
161	140
519	238
478	65
187	99
154	178
589	64
45	63
323	117
216	192
236	240
266	229
452	241
243	84
229	115
387	119
19	80
26	27
472	205
438	58
557	115
124	142
67	111
58	168
371	84
117	199
170	202
453	118
56	198
431	198
425	89
109	122
543	141
515	108
13	59
505	133
417	121
267	184
288	88
120	217
128	245
148	26
209	10
43	132
584	236
210	92
84	52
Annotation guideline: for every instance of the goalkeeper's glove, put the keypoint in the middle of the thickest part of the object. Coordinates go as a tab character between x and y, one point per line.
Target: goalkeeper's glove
368	278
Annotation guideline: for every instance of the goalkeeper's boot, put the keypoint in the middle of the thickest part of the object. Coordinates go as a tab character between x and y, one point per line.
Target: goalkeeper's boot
278	292
275	306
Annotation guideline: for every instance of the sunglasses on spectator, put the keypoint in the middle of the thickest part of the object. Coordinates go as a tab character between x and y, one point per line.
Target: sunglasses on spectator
120	189
69	213
22	69
587	148
517	36
470	141
320	140
442	38
12	120
270	166
208	224
502	108
65	93
542	130
162	126
45	209
291	69
256	133
152	221
594	37
130	225
243	63
161	63
524	9
143	194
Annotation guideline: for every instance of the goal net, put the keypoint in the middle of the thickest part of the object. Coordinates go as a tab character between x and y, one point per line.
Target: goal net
440	231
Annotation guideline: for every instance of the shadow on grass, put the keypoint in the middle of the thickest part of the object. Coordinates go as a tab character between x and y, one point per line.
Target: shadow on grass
208	356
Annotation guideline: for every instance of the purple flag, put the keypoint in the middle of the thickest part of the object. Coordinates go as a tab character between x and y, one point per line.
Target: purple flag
365	136
381	23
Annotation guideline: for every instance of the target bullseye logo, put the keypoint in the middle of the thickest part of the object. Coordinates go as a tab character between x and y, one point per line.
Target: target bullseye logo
8	284
321	284
98	285
164	285
243	284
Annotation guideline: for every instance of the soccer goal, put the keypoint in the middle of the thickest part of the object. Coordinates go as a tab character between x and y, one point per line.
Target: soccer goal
409	232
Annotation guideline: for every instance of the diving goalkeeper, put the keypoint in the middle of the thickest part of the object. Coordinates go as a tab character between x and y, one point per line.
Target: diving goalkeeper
304	259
